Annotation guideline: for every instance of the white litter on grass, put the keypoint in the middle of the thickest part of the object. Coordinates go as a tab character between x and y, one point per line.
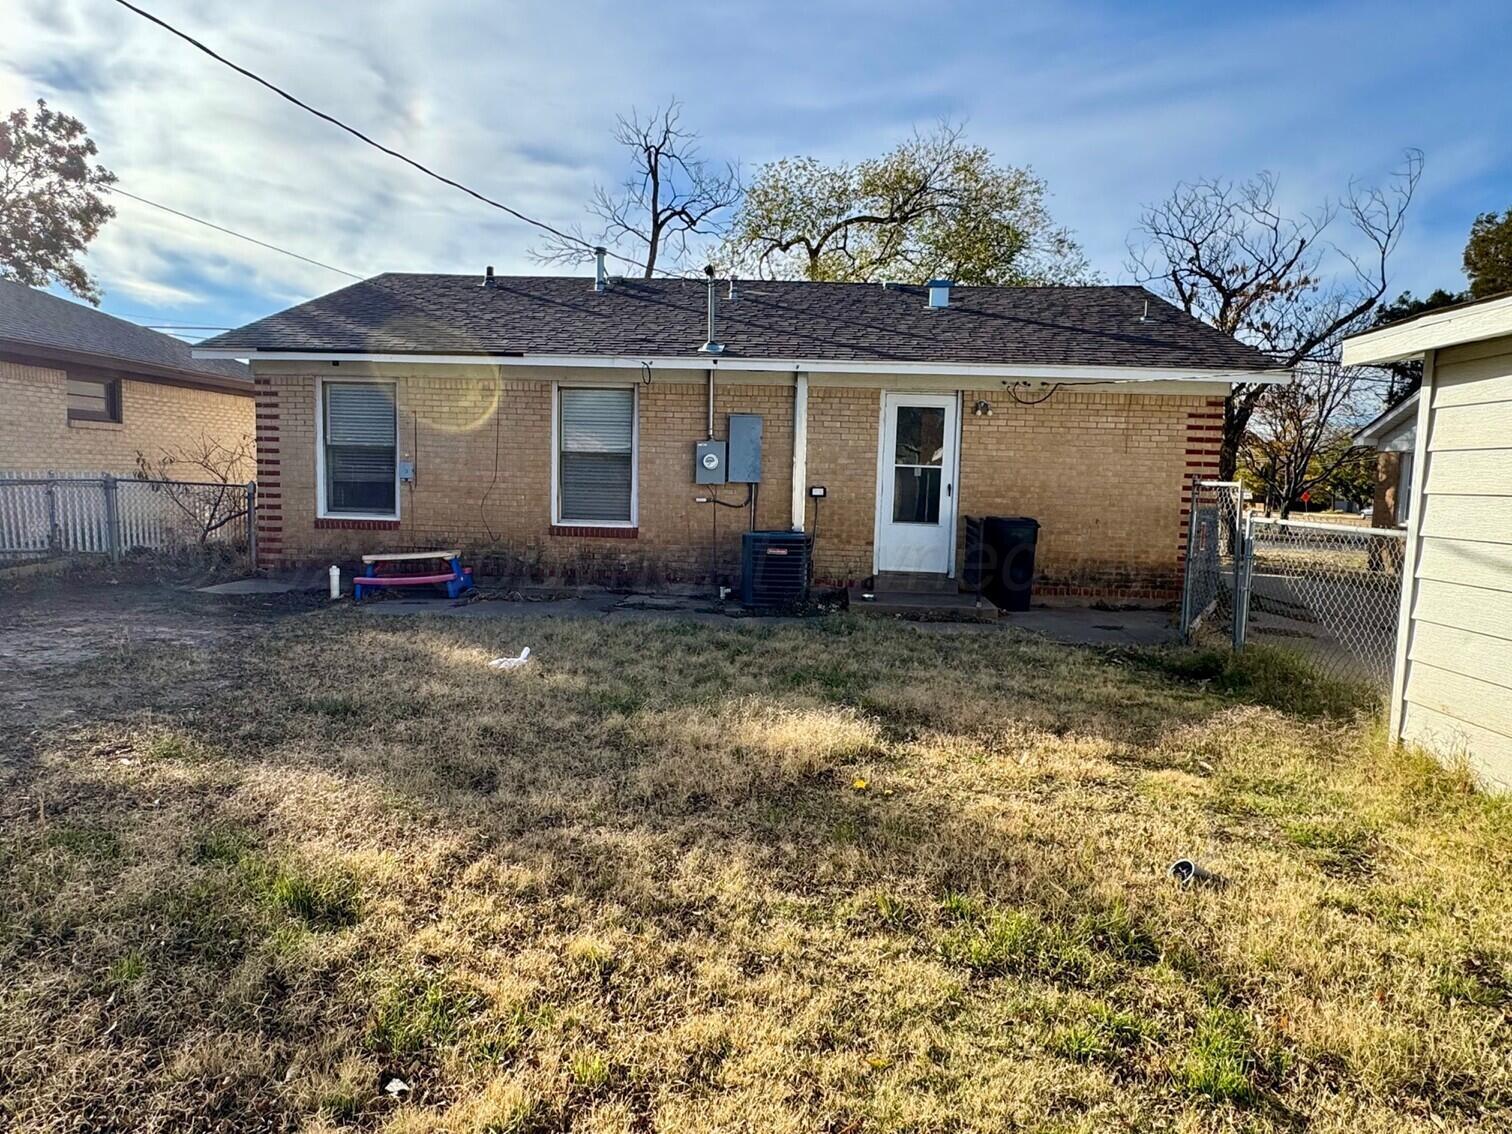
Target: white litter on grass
396	1087
511	663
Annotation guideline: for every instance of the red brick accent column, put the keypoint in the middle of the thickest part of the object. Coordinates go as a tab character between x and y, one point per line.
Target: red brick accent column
1204	436
270	526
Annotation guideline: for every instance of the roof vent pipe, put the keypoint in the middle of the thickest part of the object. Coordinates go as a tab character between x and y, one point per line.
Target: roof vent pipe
488	280
710	345
731	294
600	279
939	293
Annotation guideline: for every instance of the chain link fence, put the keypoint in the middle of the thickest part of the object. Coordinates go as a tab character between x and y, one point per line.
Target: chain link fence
46	516
1214	544
1329	591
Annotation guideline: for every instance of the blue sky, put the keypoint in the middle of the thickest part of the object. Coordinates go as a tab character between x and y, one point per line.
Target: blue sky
1111	103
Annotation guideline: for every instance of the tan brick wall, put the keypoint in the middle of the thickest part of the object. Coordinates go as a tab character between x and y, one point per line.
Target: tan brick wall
36	435
1105	474
456	430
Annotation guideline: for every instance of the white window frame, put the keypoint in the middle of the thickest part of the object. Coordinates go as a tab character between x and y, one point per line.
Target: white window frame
321	512
556	455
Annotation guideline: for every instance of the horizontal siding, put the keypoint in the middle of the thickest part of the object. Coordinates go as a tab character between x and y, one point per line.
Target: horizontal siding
1484	518
1464	652
1487	565
1471	472
1461	390
1489	753
1463	698
1481	426
1464	608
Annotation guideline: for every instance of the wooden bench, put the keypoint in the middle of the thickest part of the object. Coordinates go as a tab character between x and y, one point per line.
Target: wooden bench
457	578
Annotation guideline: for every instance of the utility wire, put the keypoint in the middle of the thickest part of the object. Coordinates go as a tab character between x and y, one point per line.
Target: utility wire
233	232
358	134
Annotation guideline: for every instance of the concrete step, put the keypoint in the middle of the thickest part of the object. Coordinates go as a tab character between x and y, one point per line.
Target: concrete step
922	606
915	582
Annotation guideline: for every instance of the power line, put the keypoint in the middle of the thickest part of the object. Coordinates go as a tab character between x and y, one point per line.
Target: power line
232	232
360	136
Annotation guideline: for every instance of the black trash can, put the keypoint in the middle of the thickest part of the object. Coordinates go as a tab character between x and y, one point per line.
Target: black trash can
1000	559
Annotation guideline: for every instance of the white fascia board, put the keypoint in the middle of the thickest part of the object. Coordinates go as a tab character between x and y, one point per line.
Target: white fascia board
1452	326
1399	414
786	366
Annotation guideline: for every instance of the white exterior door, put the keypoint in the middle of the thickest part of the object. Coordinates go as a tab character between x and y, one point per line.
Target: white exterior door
916	491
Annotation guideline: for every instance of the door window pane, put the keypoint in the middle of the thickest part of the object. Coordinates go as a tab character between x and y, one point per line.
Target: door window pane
921	435
916	495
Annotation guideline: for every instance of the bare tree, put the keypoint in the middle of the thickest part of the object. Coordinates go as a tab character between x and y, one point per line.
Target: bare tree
205	481
1299	434
671	196
1226	253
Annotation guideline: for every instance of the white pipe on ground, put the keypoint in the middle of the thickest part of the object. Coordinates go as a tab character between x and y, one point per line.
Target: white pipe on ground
335	576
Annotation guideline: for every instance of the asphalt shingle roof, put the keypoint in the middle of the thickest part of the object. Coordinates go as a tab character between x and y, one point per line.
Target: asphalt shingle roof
434	314
31	318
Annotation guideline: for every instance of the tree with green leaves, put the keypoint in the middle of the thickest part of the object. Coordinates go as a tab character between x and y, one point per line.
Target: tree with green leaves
1488	255
935	207
51	200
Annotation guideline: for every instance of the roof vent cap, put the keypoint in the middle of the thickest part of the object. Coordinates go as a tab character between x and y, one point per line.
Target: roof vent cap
939	293
488	277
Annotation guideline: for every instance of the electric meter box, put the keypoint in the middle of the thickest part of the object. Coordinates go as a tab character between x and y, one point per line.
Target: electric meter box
745	448
709	462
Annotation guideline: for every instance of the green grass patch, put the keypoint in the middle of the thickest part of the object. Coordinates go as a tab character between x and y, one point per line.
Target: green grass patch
1265	675
1222	1062
1105	1034
425	1012
1340	846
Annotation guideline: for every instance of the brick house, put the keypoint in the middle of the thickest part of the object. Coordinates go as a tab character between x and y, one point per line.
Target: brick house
84	392
549	424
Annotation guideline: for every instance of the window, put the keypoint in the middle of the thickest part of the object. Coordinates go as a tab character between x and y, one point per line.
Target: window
596	456
1404	488
918	461
357	425
94	399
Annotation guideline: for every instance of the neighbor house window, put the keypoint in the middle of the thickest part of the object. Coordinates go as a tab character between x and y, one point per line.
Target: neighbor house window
1404	488
595	456
357	426
94	399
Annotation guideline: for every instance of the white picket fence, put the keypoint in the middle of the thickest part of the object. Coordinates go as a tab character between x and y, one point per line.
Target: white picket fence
49	514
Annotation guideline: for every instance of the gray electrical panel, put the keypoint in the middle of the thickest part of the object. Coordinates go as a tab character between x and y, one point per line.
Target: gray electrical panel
709	463
745	448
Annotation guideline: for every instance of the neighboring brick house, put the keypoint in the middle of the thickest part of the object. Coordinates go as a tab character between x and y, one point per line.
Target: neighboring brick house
548	424
82	392
1392	435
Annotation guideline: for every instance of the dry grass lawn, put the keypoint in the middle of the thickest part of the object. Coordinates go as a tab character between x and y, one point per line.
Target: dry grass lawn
846	876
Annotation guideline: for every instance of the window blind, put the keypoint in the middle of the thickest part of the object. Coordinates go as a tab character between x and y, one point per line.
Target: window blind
596	463
359	448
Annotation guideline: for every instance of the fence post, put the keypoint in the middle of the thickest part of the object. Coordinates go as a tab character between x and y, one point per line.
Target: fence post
1186	574
1244	569
112	517
54	537
252	524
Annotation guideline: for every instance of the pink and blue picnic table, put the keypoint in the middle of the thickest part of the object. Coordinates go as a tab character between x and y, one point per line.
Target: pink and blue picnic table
384	570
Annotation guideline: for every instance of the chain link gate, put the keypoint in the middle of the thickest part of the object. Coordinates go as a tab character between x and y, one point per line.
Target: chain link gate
1215	536
1328	591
